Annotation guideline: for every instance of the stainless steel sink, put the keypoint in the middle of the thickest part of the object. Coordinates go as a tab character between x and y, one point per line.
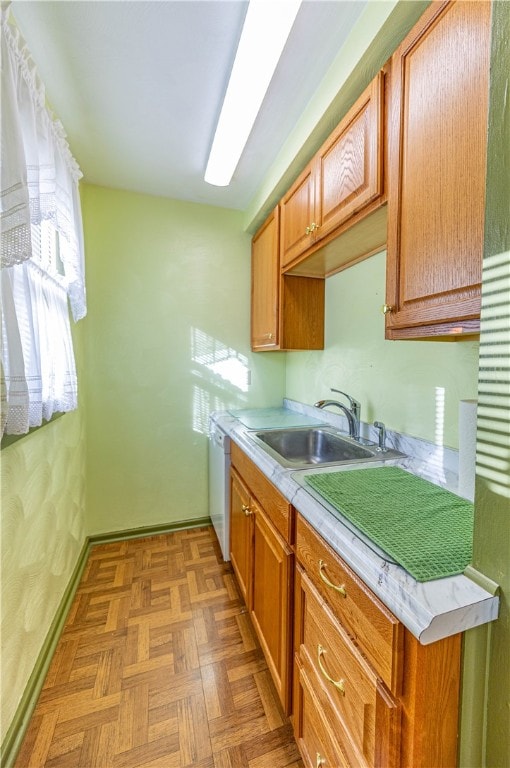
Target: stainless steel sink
317	446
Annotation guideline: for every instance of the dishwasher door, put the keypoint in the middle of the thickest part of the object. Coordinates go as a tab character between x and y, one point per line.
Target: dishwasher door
219	486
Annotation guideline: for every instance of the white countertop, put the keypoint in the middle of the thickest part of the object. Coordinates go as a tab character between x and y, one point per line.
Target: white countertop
430	610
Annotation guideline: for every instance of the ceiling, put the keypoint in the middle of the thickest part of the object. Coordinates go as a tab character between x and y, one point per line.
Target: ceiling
139	85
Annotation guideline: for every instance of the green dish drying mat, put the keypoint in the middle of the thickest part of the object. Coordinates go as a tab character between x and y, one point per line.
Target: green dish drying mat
426	529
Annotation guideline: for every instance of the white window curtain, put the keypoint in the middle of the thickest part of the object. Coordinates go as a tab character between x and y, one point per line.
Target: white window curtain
42	255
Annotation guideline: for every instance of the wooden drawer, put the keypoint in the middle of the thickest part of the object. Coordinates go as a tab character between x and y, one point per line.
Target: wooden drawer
346	686
373	628
316	742
276	507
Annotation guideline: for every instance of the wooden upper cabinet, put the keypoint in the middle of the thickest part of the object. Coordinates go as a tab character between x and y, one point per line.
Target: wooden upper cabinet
265	280
287	311
437	160
349	166
343	183
297	213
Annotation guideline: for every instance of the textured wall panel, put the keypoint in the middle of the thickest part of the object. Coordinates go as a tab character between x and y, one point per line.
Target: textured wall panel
42	534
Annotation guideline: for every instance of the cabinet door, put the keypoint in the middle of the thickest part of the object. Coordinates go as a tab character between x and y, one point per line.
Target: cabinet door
297	216
349	166
271	603
241	536
265	281
436	197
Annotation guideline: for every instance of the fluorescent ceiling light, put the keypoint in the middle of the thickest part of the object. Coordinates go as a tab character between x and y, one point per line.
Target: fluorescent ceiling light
266	28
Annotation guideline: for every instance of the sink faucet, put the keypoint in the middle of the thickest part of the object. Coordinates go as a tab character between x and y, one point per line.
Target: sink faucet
352	413
382	435
354	405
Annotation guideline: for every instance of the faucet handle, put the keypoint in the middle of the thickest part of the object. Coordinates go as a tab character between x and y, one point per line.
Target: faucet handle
382	435
355	404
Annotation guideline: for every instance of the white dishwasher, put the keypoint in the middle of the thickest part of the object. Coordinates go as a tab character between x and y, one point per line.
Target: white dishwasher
219	486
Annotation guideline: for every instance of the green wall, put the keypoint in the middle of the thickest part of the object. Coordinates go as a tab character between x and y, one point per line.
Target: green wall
412	386
43	530
487	657
167	342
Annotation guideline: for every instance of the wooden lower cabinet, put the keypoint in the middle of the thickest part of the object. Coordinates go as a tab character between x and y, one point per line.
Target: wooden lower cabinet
271	607
350	697
355	703
263	563
364	617
241	535
361	689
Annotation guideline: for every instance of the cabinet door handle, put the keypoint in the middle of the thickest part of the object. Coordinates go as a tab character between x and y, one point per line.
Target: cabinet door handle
386	309
319	760
268	336
339	588
247	511
314	226
308	231
340	684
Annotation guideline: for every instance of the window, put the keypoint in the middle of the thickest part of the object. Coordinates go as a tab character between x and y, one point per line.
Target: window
41	248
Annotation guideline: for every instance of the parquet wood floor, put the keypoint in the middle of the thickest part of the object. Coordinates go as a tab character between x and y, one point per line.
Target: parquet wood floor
158	667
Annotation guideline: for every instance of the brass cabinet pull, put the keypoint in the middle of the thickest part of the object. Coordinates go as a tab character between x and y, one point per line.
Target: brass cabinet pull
338	588
268	335
340	684
246	510
308	231
386	309
314	226
319	760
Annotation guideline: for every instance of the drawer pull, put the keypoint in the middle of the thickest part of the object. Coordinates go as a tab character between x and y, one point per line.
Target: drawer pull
319	760
340	588
340	684
247	511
